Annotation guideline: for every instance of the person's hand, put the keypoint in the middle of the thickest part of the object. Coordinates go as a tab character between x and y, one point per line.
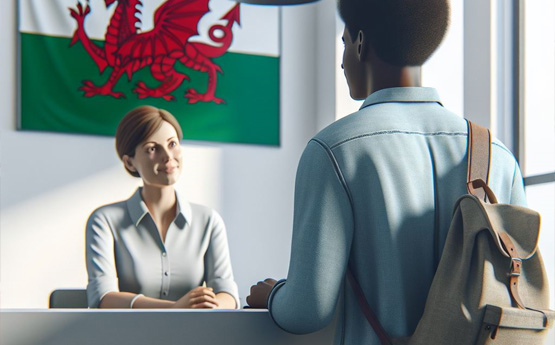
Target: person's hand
198	298
260	292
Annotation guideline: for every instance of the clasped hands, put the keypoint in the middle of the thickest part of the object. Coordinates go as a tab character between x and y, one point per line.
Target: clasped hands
198	298
258	297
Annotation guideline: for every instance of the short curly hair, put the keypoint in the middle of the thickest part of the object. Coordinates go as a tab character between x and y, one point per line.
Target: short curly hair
139	124
401	32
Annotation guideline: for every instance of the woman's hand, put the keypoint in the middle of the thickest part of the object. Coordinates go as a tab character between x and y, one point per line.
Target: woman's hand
260	292
198	298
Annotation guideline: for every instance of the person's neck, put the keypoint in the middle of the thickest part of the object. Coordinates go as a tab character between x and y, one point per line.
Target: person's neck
382	75
388	76
159	200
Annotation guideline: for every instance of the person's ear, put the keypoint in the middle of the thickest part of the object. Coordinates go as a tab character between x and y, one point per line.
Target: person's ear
128	162
361	46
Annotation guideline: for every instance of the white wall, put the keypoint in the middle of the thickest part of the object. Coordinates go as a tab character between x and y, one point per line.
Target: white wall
49	183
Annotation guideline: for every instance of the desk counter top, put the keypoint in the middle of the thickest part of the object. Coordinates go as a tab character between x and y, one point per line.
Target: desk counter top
148	327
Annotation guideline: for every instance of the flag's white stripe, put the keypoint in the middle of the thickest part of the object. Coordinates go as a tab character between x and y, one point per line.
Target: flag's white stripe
259	31
258	34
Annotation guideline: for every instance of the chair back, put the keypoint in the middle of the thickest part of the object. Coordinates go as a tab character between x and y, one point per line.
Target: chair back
68	298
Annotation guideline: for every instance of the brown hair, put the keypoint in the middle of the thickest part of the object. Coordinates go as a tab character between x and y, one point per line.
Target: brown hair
139	124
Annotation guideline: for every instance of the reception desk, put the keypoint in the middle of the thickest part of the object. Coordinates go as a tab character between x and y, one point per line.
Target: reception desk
148	327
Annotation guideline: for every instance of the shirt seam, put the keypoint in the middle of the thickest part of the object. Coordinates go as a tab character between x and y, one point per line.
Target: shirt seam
513	183
337	169
399	101
502	148
389	132
339	173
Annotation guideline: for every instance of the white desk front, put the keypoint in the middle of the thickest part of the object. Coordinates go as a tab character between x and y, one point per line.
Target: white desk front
148	327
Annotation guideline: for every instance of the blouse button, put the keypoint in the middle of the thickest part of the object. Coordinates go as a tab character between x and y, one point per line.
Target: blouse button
166	274
164	254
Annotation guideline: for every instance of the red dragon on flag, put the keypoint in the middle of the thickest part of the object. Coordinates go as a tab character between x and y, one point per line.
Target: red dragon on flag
126	50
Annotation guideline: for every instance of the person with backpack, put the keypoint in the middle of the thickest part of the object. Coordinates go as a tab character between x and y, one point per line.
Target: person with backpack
375	190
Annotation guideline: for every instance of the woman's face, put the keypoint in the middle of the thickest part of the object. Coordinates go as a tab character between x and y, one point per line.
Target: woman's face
158	158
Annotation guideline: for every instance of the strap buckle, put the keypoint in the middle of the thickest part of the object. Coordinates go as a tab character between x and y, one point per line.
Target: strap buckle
516	265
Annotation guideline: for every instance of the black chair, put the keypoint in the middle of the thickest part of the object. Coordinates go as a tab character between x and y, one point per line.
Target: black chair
68	298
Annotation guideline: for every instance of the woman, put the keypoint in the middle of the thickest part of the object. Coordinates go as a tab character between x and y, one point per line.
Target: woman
155	250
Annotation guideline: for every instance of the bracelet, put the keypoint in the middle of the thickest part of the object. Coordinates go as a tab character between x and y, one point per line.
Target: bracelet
134	299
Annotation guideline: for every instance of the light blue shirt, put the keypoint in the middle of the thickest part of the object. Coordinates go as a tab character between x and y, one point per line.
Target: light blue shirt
377	189
125	252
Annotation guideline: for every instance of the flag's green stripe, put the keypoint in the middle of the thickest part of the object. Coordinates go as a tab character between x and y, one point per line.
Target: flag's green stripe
52	72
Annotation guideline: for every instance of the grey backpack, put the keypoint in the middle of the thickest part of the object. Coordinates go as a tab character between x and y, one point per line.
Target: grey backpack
490	286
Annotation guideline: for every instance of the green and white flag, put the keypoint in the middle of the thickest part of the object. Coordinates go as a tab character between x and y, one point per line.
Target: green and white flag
214	64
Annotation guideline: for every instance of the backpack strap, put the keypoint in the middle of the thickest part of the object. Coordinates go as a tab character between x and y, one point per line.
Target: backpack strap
367	311
516	264
478	150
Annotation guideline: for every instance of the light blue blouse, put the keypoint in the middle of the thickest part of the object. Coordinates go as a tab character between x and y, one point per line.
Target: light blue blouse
124	252
377	189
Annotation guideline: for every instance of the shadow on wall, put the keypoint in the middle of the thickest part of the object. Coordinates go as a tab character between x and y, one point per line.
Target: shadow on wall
257	199
36	163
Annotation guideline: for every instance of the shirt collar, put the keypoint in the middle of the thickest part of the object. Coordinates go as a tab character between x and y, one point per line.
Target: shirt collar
138	210
402	94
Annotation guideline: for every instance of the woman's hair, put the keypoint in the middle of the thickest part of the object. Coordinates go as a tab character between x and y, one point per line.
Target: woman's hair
139	124
401	32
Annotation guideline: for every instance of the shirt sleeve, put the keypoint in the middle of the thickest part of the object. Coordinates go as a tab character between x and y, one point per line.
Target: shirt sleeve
322	236
217	262
518	195
101	266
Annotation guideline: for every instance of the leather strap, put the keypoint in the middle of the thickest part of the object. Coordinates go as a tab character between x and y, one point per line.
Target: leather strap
516	266
479	146
367	311
479	158
479	183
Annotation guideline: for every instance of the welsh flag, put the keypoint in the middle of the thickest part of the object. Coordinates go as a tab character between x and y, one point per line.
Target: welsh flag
214	64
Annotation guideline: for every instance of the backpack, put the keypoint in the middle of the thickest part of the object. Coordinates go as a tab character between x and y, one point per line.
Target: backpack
490	286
